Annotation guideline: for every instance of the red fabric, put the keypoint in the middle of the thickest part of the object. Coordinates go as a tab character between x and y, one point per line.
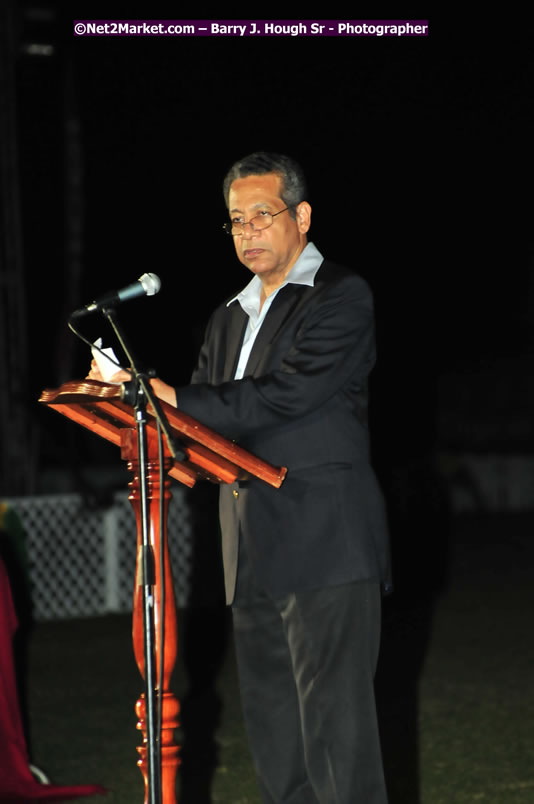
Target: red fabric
16	781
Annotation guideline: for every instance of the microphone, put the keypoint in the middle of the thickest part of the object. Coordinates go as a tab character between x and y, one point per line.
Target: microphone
146	285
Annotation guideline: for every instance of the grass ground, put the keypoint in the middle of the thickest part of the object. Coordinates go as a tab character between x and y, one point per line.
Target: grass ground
455	689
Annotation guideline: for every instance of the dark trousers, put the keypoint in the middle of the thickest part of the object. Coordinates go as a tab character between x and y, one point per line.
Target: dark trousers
306	666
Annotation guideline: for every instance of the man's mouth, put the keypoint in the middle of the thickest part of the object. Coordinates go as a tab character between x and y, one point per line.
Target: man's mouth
250	253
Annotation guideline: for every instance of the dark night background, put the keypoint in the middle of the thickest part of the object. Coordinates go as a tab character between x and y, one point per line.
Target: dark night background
418	153
419	158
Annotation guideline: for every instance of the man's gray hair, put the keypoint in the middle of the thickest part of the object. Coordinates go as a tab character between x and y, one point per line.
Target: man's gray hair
294	188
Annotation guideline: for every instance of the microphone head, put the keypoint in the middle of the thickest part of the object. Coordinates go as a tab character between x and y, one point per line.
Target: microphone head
151	283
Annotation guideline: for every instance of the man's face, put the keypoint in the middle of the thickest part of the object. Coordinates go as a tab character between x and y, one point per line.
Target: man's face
271	252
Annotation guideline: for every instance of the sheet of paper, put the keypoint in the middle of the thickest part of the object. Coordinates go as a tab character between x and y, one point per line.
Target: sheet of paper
105	361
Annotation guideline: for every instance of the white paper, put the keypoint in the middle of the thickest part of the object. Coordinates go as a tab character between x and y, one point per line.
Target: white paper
105	361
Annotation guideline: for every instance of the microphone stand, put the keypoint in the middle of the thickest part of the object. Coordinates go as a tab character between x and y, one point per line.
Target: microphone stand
138	394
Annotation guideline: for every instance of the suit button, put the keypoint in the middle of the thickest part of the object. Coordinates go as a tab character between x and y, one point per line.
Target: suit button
235	493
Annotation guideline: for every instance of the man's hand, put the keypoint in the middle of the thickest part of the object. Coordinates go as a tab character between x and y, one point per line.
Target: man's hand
160	388
119	376
164	391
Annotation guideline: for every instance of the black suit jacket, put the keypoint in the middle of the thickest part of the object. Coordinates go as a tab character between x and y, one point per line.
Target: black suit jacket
303	404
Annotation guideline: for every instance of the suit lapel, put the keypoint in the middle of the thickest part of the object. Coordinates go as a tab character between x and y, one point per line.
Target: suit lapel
286	300
236	330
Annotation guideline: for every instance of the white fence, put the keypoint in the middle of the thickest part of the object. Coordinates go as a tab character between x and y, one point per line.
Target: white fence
82	560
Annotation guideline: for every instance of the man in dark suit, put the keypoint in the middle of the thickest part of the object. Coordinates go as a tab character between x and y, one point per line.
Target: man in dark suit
284	372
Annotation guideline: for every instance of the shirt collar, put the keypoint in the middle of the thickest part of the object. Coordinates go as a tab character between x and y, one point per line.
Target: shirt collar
302	273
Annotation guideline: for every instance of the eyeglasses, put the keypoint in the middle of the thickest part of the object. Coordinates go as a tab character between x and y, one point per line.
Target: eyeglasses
257	223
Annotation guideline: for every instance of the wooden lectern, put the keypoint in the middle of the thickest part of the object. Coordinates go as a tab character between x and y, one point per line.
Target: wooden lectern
98	407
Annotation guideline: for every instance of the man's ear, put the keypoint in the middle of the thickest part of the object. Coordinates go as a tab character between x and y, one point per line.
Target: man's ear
303	216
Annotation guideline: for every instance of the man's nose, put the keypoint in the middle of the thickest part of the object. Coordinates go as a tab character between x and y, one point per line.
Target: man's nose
248	230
